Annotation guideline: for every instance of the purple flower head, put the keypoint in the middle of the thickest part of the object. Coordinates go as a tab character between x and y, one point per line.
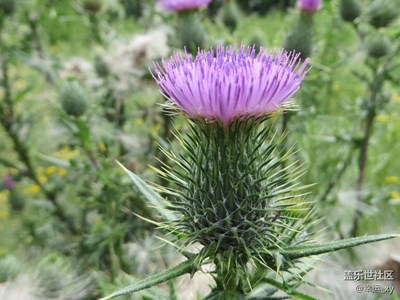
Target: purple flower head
309	5
230	83
9	182
179	5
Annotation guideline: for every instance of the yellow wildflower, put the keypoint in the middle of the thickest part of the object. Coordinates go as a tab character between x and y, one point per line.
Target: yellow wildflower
391	179
32	189
61	171
382	118
139	122
396	98
395	195
102	148
4	213
66	153
50	170
42	179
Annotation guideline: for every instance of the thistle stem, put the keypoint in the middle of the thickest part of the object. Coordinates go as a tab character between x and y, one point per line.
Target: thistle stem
375	88
345	164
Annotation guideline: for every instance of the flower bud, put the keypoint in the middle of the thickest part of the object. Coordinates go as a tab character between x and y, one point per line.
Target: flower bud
378	45
101	67
16	200
191	32
349	10
230	15
7	7
382	12
300	38
92	6
257	41
73	98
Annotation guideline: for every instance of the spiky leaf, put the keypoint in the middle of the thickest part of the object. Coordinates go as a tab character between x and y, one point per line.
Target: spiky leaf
150	195
300	251
187	267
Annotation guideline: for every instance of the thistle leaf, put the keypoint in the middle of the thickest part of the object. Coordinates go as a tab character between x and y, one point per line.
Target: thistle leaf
187	267
315	249
288	290
150	195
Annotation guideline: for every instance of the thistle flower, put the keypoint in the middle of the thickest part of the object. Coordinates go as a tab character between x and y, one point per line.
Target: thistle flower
181	5
226	84
231	188
309	5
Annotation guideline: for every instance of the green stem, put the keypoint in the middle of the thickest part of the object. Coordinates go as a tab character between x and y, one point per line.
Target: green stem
94	26
375	88
7	120
338	176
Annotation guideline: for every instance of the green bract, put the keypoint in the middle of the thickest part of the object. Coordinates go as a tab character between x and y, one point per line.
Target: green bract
382	12
234	192
349	10
7	7
73	98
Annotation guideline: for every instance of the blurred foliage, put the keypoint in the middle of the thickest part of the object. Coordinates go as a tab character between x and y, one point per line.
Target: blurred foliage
66	206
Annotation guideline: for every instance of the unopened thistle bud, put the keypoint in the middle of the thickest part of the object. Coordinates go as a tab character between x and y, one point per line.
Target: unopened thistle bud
378	45
101	67
382	12
92	6
73	98
191	33
230	15
7	7
16	200
349	10
300	37
256	41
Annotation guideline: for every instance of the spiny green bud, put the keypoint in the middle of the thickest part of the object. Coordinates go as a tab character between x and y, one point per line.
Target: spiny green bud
378	45
7	7
300	38
101	67
231	195
349	10
382	12
16	200
73	98
230	15
92	6
191	32
257	41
